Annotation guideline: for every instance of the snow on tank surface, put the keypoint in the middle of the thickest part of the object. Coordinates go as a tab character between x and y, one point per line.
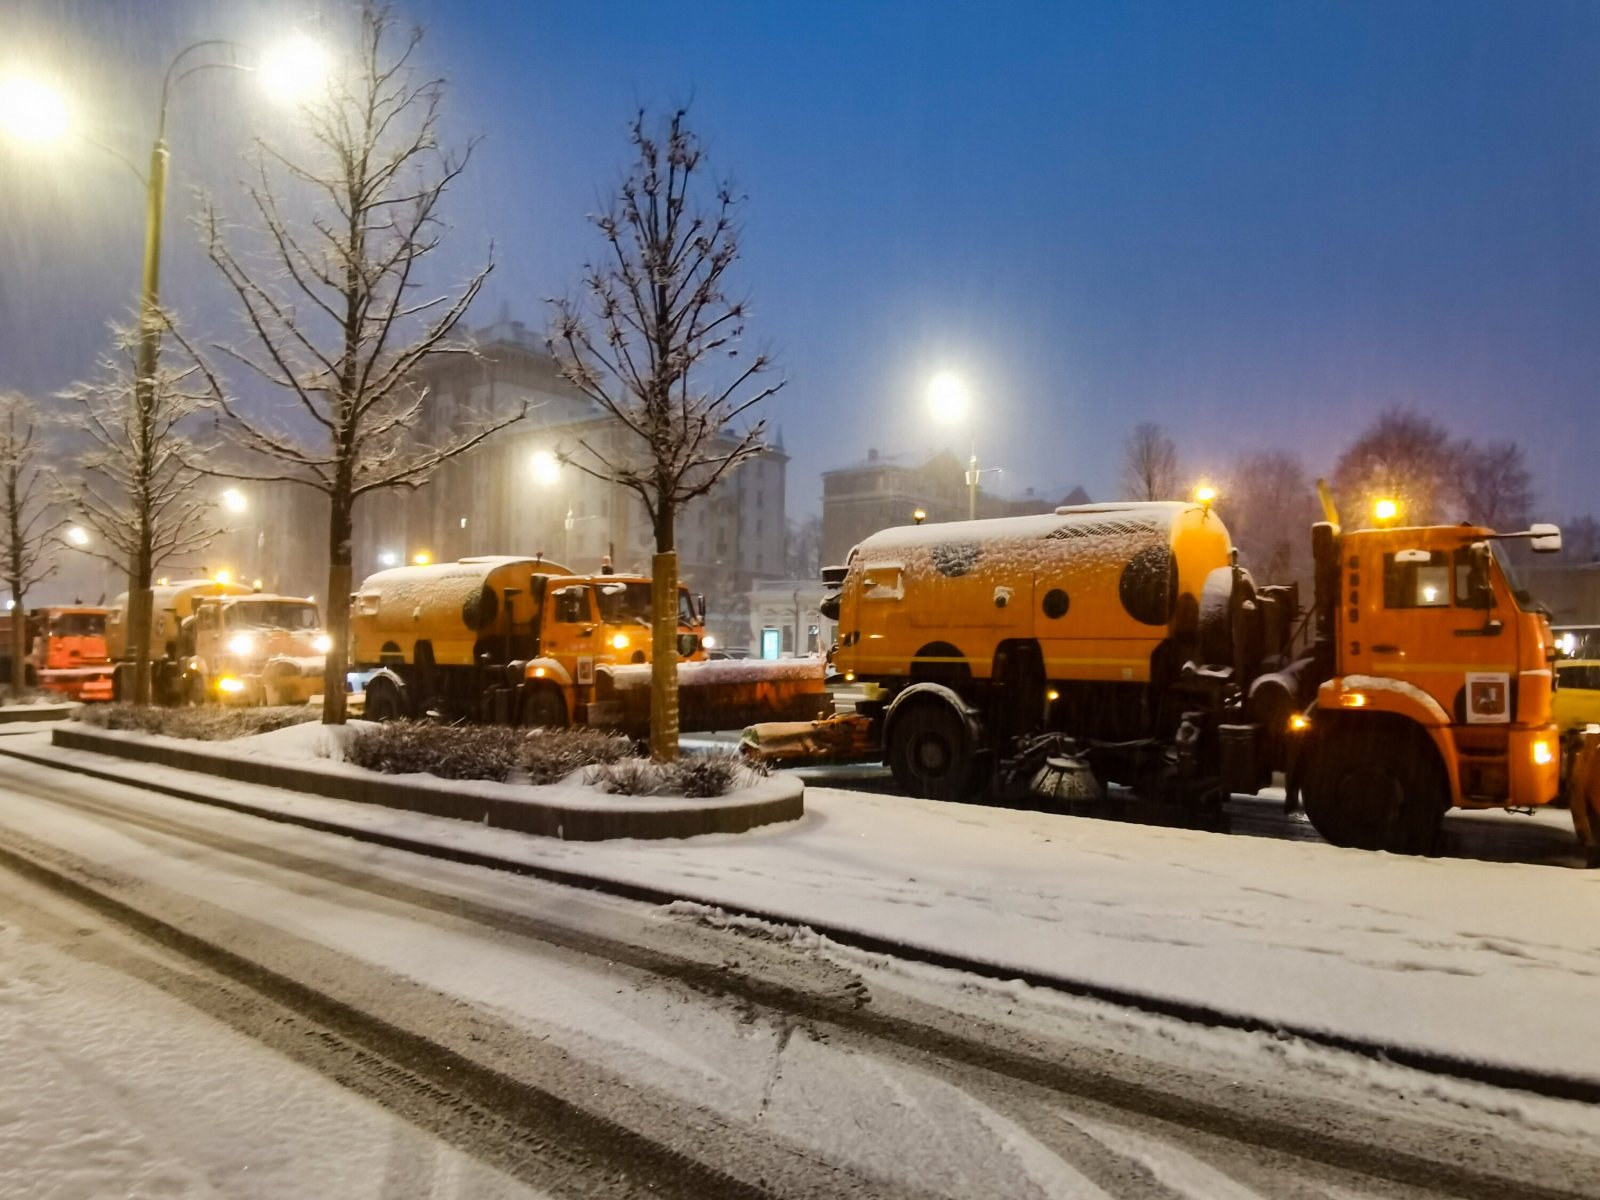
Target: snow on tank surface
1095	537
403	593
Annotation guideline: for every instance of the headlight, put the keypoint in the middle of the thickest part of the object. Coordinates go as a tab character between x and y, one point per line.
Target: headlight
709	642
620	641
241	644
1543	756
322	643
231	685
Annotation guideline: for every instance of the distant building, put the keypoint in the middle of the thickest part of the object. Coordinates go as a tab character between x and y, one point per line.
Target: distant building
883	491
1570	592
784	621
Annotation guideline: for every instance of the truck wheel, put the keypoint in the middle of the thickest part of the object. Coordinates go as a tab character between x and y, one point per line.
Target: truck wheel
544	708
931	753
1377	790
384	701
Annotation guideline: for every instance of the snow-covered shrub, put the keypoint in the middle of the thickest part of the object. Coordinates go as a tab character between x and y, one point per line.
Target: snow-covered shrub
630	777
702	776
449	751
698	776
206	723
550	755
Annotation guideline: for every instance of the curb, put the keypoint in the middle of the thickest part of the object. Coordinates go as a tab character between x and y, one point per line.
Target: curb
535	817
40	712
1543	1083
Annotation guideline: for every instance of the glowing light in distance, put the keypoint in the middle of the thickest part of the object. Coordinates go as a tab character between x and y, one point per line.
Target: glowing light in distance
708	642
230	684
422	558
1298	723
919	515
388	559
223	576
1386	509
1569	644
256	583
10	604
1205	493
78	535
545	466
948	398
1430	593
322	643
1052	695
241	644
295	69
233	500
32	111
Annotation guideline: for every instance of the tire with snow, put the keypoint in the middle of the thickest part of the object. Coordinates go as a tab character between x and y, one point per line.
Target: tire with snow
1376	786
385	701
931	751
545	708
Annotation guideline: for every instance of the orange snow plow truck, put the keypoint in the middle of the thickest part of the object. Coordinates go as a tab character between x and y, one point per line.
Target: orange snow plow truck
66	651
216	642
1122	643
524	641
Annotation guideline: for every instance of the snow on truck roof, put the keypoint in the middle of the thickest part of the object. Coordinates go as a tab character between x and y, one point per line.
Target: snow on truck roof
1079	520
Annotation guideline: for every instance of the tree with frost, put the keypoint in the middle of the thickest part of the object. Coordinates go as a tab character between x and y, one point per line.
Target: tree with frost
330	281
1150	464
1403	456
656	346
1580	540
1269	504
137	488
802	548
1495	485
27	522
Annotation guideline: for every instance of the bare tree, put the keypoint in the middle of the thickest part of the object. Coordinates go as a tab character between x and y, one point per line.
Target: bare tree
136	488
1149	464
1270	505
1495	484
802	549
658	351
1580	540
1402	456
334	305
27	521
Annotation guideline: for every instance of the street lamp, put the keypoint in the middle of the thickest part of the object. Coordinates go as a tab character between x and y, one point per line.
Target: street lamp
950	402
233	500
39	113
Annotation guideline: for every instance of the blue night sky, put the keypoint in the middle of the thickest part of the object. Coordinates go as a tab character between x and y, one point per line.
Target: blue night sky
1259	224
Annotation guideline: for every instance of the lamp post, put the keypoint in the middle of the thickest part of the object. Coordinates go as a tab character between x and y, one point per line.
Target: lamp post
950	401
287	69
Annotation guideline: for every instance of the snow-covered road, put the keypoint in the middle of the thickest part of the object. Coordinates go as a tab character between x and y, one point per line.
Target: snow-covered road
780	1064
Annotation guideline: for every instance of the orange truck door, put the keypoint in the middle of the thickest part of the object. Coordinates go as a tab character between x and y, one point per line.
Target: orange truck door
571	630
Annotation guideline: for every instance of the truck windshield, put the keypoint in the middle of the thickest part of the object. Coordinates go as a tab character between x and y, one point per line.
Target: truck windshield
78	625
1519	590
267	614
624	603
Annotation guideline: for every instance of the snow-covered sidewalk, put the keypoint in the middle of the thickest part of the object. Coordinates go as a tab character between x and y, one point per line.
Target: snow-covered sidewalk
1485	962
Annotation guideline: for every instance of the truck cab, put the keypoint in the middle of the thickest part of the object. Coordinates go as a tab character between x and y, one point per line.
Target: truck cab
252	649
1440	687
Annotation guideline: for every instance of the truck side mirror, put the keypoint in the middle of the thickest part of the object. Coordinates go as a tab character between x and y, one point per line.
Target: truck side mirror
1546	539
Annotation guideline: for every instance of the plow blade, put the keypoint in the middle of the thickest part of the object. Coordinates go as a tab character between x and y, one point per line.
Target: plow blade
826	740
721	695
1583	793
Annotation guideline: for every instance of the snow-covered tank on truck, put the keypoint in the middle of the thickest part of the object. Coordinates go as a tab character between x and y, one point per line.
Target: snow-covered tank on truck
1124	642
525	641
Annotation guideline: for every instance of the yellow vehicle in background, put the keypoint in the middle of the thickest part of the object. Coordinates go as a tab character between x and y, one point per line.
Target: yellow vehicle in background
1577	699
215	641
524	641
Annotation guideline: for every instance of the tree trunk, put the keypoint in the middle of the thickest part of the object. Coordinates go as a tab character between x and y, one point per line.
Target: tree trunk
19	642
336	612
664	657
141	620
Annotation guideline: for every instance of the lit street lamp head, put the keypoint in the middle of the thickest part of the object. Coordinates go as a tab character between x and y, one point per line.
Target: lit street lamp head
32	111
948	398
294	69
233	500
546	468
